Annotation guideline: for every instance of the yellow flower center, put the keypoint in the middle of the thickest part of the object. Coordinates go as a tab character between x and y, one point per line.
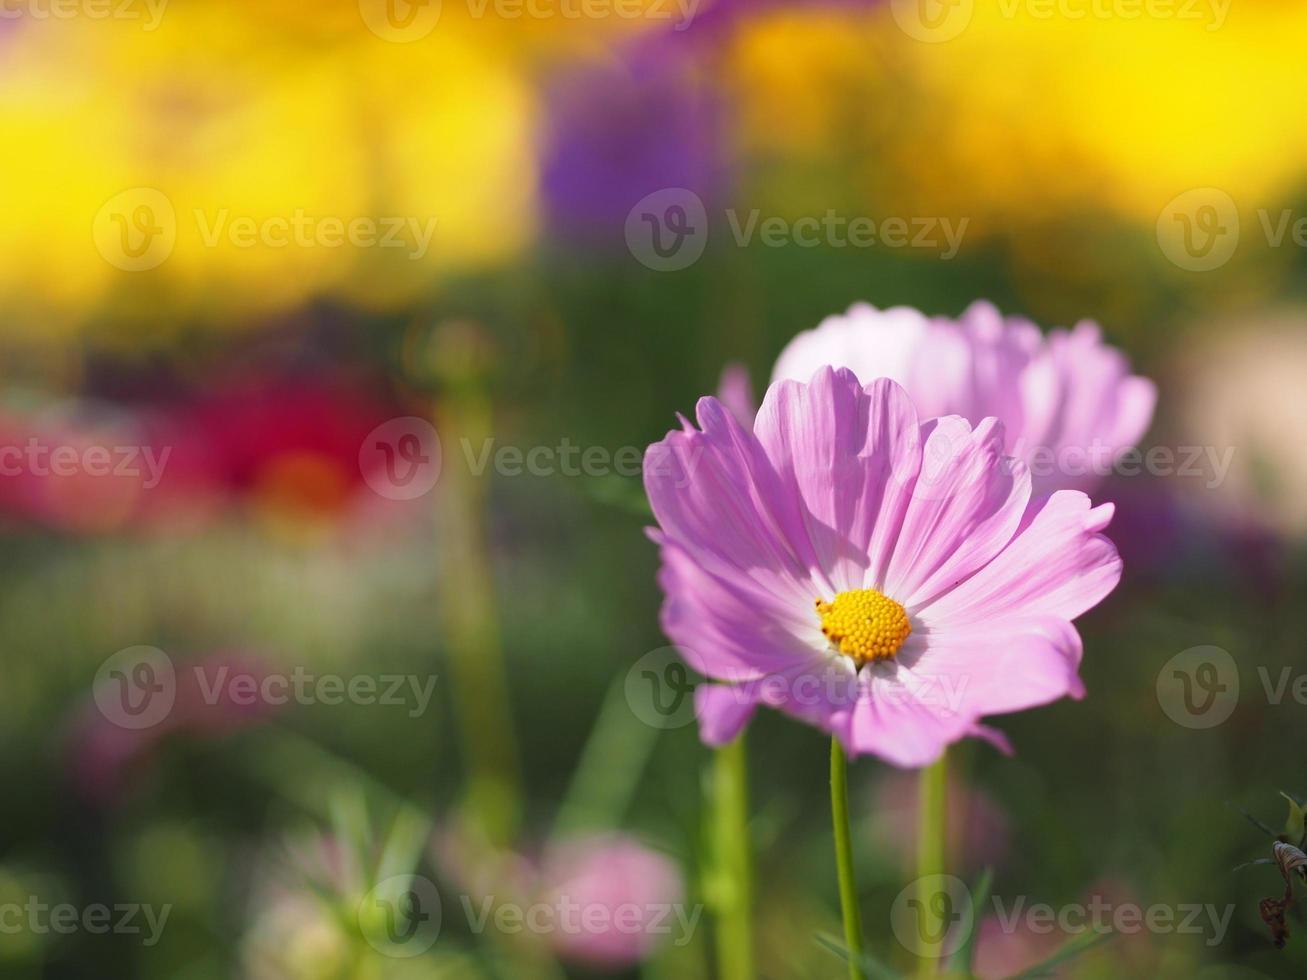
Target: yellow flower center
864	625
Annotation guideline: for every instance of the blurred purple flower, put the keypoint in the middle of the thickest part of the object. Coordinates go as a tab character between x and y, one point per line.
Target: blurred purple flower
650	119
618	132
1150	528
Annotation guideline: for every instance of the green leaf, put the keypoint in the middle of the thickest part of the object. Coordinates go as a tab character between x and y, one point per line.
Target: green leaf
1294	828
965	954
872	967
1073	948
1253	820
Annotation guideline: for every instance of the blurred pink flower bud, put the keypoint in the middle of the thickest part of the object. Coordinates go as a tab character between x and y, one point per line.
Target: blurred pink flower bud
616	899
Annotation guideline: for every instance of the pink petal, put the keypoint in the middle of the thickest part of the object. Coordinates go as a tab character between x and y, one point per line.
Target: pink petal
965	506
1056	565
1014	666
722	710
901	720
725	627
735	391
716	494
871	343
850	455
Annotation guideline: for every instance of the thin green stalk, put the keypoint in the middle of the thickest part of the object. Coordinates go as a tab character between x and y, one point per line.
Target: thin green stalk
477	673
932	818
733	888
839	804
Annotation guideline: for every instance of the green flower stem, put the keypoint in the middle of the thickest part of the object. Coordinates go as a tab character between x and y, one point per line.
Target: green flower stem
932	819
839	803
733	891
478	677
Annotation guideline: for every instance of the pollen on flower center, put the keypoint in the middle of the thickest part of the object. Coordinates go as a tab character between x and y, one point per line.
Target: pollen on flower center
864	624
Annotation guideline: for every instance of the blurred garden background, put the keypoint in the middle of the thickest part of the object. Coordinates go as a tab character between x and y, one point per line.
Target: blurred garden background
331	336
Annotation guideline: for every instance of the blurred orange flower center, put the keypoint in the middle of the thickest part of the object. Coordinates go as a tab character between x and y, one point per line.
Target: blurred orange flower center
864	624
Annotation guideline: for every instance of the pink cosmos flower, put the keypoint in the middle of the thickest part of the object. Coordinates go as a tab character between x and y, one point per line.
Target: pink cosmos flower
619	892
604	899
1068	401
879	577
978	832
103	756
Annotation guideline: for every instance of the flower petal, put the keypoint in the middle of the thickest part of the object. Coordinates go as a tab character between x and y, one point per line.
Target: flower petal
901	720
723	710
1016	666
1057	564
725	627
851	455
966	504
716	495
